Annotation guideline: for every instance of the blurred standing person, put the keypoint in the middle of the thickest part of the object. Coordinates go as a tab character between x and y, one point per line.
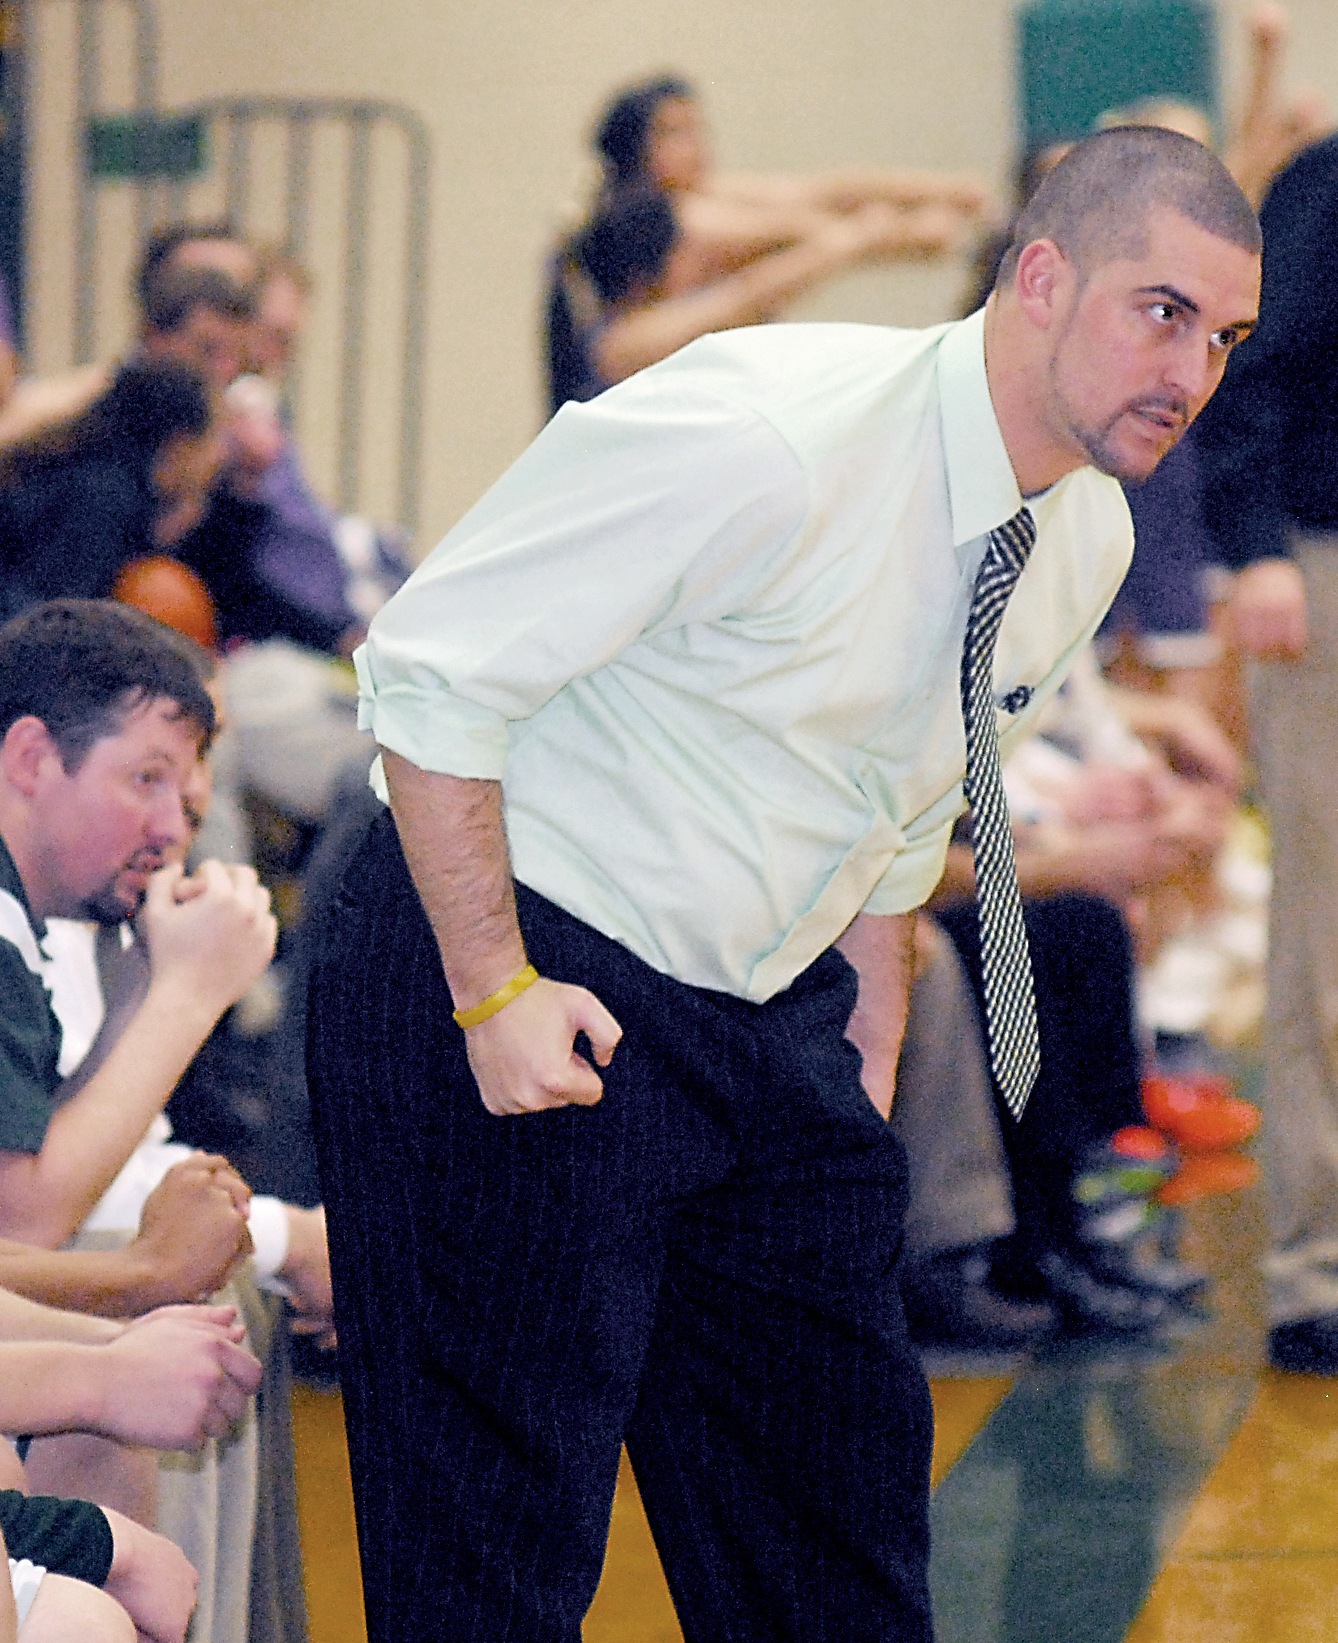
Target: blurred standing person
1272	500
673	249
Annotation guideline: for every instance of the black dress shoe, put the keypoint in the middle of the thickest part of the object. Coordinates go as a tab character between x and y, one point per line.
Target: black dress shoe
1139	1264
1307	1347
950	1304
1089	1304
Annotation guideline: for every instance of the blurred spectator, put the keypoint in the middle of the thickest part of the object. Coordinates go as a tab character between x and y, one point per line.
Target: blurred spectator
1272	128
198	317
1124	794
124	479
673	249
122	695
90	690
1088	1090
209	1502
282	571
1272	496
960	1207
277	560
341	569
286	573
1101	822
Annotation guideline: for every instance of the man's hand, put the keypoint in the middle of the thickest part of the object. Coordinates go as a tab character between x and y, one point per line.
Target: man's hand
192	1230
151	1579
1114	859
306	1273
1268	608
522	1057
455	845
1193	743
254	432
175	1377
1104	792
209	935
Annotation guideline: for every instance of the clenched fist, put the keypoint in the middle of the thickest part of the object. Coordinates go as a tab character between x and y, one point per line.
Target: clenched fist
210	935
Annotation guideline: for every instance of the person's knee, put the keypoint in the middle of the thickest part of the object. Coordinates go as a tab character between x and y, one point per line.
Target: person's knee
87	1466
65	1609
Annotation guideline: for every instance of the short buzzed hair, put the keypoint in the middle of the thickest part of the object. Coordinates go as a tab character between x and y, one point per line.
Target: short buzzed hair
1094	204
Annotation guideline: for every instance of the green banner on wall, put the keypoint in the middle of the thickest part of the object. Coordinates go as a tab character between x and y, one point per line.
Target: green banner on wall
145	145
1078	59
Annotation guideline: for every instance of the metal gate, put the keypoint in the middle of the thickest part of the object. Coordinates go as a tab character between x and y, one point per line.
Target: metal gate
342	184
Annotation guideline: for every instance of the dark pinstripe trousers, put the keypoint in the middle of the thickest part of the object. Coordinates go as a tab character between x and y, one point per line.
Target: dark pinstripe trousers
702	1266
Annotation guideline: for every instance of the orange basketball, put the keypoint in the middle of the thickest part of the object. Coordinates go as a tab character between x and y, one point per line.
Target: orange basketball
167	590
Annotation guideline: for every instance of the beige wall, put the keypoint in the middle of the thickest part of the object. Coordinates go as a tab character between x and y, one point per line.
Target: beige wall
509	90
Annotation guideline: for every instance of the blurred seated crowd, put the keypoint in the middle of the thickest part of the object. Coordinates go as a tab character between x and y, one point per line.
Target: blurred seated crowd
169	481
179	610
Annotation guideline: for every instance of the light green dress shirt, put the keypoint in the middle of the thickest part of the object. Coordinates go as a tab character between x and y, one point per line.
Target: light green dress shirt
707	632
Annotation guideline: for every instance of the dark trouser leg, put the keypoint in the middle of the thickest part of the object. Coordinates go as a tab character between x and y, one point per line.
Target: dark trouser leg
497	1283
495	1279
491	1318
783	1433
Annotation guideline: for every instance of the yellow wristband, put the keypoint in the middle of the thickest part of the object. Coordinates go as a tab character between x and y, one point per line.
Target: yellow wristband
498	1000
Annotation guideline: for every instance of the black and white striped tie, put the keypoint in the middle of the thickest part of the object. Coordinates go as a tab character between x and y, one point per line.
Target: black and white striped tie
1010	1002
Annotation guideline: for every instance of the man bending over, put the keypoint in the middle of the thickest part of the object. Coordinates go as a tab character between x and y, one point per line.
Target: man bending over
675	725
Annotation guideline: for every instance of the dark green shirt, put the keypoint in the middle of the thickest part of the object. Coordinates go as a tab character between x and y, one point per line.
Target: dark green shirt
68	1537
29	1031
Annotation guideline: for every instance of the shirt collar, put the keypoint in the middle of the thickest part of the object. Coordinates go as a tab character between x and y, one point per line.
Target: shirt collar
982	487
13	884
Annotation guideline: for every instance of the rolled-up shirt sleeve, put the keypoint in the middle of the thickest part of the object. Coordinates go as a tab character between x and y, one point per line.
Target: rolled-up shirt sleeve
589	540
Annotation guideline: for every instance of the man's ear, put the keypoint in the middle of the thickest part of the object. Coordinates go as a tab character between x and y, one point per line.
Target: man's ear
26	752
1043	275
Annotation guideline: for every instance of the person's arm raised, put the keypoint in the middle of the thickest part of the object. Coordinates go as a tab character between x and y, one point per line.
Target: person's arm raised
454	843
850	188
641	333
209	938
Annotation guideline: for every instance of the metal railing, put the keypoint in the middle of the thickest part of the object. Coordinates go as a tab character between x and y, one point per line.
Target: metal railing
236	119
88	77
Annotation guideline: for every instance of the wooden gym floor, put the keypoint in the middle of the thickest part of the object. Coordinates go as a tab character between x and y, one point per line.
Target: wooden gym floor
1176	1492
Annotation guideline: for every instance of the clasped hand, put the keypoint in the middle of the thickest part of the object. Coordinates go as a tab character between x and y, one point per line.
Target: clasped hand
210	934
